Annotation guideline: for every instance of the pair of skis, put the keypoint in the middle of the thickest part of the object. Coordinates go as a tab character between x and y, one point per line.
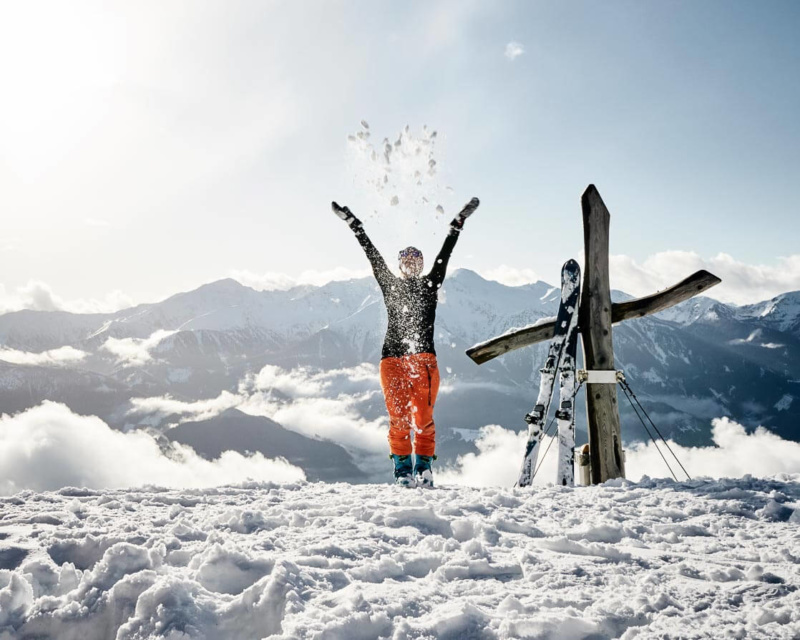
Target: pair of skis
561	358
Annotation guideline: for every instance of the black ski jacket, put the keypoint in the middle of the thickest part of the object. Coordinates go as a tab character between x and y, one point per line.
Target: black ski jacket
410	302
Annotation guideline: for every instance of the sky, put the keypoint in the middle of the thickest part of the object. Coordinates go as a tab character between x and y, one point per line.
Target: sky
147	148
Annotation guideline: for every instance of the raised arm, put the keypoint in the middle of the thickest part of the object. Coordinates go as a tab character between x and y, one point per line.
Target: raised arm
382	273
439	269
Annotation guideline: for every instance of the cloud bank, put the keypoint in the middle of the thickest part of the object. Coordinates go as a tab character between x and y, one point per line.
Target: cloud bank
498	461
49	447
196	410
53	357
510	276
735	453
742	283
317	404
273	281
135	351
39	296
323	404
329	405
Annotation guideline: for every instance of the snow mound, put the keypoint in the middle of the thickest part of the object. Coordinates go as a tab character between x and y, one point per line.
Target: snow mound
624	560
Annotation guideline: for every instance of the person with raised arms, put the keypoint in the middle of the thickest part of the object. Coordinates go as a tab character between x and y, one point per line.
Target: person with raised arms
409	370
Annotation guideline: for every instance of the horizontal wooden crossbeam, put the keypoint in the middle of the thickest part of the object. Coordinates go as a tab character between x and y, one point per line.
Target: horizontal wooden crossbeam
694	285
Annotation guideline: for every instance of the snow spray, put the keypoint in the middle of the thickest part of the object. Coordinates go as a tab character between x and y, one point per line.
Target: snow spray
400	190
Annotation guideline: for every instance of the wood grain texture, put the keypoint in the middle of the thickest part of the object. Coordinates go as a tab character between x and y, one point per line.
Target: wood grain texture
687	288
509	342
605	441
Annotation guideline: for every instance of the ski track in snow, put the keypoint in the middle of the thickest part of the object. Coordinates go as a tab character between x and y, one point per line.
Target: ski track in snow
654	559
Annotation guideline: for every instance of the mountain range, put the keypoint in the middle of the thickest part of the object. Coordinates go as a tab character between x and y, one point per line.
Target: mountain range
697	361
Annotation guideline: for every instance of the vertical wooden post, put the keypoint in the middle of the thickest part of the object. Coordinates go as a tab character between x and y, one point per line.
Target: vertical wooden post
605	439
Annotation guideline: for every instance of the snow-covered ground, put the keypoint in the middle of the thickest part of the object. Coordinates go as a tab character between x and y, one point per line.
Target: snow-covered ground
654	559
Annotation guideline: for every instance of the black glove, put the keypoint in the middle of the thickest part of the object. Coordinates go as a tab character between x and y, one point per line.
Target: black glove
345	214
466	212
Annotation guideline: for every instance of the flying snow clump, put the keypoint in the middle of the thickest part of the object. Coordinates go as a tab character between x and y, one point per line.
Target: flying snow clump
402	169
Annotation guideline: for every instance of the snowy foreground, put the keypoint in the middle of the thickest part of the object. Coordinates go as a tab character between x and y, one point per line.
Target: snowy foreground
654	559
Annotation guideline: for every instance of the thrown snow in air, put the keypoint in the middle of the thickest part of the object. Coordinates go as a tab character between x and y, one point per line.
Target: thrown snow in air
402	170
650	560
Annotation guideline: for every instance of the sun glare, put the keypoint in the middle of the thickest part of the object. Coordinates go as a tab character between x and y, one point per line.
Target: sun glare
58	63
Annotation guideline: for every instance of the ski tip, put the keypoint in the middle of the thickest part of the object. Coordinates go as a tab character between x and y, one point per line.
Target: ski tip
571	265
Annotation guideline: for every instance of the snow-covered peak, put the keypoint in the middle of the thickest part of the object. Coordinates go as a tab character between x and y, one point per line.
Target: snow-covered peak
620	296
694	310
220	292
467	277
781	312
226	286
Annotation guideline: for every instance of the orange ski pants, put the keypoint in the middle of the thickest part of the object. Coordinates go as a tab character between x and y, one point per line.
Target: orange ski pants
410	385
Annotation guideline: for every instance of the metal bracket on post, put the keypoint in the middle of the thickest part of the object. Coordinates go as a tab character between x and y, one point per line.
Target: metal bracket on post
600	377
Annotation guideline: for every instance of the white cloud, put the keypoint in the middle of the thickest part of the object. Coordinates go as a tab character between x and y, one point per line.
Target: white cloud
39	296
735	453
296	383
273	281
303	382
49	447
510	276
60	356
196	410
34	295
756	335
335	419
318	404
321	404
741	283
135	351
514	50
498	461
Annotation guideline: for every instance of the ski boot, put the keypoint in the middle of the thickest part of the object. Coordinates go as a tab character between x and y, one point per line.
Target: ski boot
423	475
403	471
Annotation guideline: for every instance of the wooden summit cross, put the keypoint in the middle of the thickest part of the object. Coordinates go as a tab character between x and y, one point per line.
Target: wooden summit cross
595	318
